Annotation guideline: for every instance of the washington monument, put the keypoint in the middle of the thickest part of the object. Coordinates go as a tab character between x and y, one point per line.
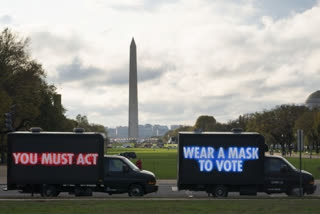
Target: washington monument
133	93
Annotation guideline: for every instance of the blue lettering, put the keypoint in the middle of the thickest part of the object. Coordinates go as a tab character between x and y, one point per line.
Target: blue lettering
233	163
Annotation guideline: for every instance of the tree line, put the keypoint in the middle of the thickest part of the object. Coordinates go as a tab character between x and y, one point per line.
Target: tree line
25	92
278	125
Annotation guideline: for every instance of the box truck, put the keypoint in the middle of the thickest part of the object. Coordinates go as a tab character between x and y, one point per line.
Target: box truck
222	162
53	162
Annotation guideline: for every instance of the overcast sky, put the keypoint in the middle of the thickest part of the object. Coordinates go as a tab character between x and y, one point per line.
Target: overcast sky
215	57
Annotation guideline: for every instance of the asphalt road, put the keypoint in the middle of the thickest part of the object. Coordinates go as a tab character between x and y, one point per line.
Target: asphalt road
165	191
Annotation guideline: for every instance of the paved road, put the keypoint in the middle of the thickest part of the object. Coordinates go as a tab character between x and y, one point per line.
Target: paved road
165	191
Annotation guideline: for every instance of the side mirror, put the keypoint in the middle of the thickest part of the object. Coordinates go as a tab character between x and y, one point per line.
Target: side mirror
125	169
284	169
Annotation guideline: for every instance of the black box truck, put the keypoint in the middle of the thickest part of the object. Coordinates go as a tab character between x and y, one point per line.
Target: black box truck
52	162
222	162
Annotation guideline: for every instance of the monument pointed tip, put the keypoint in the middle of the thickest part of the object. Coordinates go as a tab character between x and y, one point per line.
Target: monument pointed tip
132	41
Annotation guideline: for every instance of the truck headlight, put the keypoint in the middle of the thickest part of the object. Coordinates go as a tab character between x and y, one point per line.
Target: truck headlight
152	182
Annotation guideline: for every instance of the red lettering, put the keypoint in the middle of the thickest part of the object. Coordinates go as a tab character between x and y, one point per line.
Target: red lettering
16	157
70	156
95	157
80	160
24	159
33	158
55	159
46	159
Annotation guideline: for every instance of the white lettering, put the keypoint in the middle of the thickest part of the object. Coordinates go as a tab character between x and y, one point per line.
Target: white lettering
33	158
95	157
208	165
46	159
248	152
255	151
242	154
56	158
188	152
219	165
196	152
64	159
227	166
233	153
86	159
24	158
239	168
16	157
221	153
203	154
201	162
80	160
70	156
210	153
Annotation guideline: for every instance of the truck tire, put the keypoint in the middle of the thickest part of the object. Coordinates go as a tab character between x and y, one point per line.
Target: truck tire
295	191
49	191
135	190
220	191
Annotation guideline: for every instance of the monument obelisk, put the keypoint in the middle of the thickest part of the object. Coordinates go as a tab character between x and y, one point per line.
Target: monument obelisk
133	93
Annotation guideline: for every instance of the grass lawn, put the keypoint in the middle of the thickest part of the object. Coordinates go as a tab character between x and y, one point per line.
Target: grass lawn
310	165
163	162
164	206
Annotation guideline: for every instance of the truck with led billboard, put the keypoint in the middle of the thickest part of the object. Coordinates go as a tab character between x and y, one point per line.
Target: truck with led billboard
53	162
222	162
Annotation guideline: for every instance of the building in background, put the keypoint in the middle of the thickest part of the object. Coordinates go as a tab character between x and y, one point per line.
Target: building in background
313	100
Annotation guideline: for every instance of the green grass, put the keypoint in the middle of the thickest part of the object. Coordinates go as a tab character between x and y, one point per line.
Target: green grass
164	206
163	162
310	165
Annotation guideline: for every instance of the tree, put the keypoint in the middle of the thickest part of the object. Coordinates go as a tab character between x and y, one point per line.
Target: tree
306	122
316	129
205	123
277	124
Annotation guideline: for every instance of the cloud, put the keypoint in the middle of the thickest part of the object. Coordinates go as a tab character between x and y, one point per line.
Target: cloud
6	19
93	77
47	41
76	71
222	58
136	5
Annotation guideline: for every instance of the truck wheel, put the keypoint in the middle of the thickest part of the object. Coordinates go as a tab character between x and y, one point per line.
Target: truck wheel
220	191
135	190
49	191
294	192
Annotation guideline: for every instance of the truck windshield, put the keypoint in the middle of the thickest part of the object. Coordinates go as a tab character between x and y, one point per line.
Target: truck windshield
131	165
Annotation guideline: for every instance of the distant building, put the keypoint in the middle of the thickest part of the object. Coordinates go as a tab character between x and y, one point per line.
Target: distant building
146	131
159	130
313	101
122	132
112	133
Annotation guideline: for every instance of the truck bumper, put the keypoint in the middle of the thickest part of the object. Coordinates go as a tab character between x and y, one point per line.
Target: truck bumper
310	189
151	188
